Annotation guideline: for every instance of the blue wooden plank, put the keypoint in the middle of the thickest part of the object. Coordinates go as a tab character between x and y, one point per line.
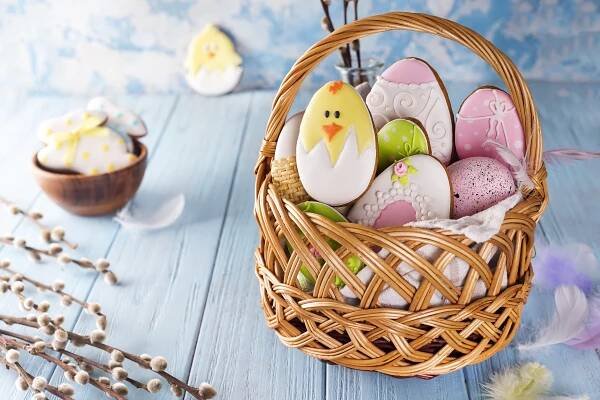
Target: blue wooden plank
94	235
165	274
236	351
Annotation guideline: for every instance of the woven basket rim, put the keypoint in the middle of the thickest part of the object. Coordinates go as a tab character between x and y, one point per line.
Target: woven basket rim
369	337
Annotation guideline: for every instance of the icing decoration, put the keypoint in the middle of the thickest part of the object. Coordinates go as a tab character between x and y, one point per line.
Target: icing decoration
413	189
479	183
336	152
488	113
399	139
213	66
121	120
353	263
78	142
411	89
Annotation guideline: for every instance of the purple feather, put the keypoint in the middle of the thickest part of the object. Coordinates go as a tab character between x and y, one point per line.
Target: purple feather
566	265
589	338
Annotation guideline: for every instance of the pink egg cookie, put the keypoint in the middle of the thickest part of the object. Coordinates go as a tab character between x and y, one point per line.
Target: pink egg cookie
479	183
414	188
488	113
410	88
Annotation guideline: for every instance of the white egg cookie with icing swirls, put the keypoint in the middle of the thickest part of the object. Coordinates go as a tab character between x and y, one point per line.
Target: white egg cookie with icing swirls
336	151
410	88
416	188
78	142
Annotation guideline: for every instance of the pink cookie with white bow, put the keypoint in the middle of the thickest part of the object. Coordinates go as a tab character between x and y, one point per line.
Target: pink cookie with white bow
415	188
488	114
410	88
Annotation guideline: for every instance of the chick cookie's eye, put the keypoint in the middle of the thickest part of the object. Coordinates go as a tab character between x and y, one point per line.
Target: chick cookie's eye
327	114
336	114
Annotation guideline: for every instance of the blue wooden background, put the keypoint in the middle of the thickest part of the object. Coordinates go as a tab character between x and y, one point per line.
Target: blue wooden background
138	46
189	292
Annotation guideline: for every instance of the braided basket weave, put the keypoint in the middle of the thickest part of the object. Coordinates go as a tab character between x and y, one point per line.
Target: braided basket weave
421	340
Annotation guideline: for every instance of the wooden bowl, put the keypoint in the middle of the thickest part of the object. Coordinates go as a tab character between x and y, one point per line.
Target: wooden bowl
93	194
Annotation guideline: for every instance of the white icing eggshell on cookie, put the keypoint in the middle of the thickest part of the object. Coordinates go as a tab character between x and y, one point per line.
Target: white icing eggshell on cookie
411	89
414	189
336	151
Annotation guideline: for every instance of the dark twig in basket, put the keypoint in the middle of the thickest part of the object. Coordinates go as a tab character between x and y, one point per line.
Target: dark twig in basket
356	43
328	25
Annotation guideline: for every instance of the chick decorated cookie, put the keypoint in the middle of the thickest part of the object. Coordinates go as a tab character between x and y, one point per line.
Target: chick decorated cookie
336	153
213	67
121	120
79	142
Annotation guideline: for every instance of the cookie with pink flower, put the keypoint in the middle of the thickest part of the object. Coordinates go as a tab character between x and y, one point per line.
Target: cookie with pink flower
415	188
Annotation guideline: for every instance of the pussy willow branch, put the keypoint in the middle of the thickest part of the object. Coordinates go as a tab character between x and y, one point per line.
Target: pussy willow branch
57	288
16	344
328	25
50	235
356	43
27	377
55	251
81	340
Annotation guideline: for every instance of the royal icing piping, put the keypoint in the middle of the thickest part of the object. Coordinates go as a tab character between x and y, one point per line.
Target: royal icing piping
425	102
502	123
336	153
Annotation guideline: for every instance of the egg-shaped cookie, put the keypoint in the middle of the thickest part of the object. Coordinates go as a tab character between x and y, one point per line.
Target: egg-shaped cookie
284	171
416	188
488	114
410	88
479	183
78	142
213	66
399	139
336	151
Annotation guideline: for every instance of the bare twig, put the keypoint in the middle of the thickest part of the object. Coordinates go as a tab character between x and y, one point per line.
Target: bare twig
55	251
328	25
157	364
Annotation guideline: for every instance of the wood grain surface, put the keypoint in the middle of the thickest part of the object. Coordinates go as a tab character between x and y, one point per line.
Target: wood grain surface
189	292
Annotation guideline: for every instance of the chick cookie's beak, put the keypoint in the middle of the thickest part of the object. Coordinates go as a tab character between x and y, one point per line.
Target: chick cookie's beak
331	130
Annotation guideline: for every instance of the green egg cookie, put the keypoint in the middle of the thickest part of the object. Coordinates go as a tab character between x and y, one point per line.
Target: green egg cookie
399	139
354	264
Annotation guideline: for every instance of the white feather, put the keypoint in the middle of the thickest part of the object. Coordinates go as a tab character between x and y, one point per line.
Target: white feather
568	320
518	167
152	218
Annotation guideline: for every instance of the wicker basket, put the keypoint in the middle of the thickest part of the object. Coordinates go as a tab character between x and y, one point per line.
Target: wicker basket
421	340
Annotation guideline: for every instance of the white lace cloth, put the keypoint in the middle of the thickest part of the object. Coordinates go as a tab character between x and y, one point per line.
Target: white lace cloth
479	227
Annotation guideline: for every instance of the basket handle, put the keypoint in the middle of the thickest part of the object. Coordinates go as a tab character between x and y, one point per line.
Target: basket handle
505	68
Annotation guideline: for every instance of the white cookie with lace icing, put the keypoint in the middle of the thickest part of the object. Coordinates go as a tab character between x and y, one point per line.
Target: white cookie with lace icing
410	89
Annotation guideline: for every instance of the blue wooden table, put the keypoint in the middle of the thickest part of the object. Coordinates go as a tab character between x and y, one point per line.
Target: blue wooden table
189	292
